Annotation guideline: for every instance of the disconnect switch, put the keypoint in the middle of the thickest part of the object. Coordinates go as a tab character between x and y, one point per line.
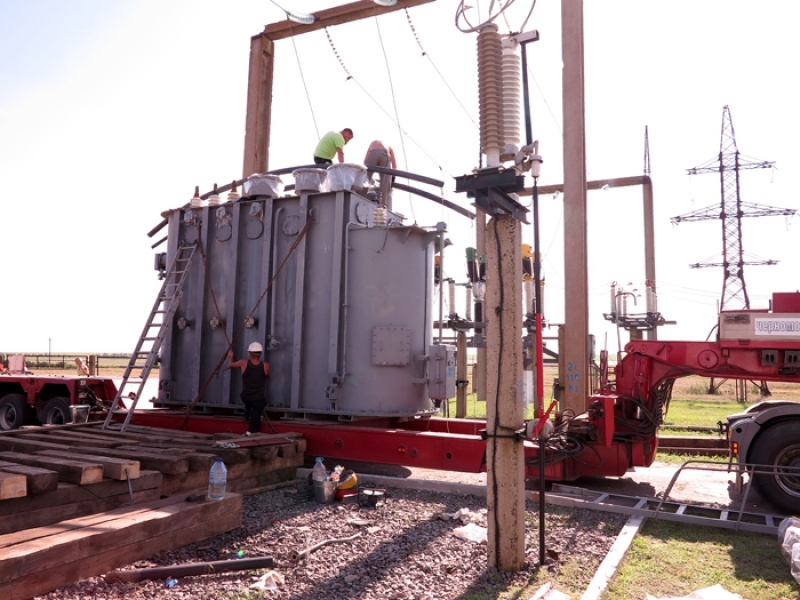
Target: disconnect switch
442	372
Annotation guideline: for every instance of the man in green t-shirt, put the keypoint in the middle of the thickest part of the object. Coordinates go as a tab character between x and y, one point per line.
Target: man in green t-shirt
332	144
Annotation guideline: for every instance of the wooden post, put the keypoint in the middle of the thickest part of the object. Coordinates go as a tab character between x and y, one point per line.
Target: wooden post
461	374
576	280
505	400
259	105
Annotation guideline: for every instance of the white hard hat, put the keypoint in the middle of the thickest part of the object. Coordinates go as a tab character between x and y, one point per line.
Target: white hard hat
255	347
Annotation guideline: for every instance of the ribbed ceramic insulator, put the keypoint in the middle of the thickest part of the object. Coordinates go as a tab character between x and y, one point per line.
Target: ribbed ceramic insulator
529	301
468	310
511	92
490	89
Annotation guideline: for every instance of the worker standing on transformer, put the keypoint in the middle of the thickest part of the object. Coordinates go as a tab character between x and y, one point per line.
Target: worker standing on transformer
332	144
255	373
382	155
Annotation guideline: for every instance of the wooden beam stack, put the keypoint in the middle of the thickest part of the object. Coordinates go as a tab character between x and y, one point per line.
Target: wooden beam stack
53	473
39	560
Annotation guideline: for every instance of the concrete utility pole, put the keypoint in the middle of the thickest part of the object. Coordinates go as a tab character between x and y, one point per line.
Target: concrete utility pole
576	278
262	59
494	190
505	457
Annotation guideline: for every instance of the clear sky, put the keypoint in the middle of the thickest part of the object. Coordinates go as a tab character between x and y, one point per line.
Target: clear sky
111	112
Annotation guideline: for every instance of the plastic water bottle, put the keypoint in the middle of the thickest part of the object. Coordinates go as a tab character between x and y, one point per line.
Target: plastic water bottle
217	478
319	472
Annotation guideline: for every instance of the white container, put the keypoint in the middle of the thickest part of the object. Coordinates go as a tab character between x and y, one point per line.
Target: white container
309	179
217	479
343	177
319	472
263	185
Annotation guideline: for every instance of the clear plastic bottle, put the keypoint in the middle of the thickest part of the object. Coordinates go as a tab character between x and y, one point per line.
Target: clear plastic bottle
217	478
319	472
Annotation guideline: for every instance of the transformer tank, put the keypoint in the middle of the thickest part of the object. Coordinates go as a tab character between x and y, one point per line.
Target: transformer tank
337	290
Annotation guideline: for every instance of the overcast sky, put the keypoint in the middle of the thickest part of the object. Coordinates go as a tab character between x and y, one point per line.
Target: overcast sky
111	112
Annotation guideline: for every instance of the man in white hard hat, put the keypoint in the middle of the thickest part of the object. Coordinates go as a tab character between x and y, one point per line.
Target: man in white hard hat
255	373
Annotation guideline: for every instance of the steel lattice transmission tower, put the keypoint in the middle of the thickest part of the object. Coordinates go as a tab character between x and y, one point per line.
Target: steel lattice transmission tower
730	211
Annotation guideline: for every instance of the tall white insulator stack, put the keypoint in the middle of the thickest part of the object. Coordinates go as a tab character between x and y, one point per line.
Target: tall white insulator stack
468	309
651	299
490	92
452	298
614	297
529	299
511	98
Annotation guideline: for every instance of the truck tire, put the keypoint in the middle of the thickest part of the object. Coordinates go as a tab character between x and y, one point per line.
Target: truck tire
14	412
56	412
779	446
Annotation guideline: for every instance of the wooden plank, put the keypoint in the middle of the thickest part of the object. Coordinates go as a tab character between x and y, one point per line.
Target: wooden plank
39	480
232	456
46	516
258	439
167	464
66	439
287	450
197	461
34	556
264	452
66	493
113	468
73	471
122	542
92	520
115	558
144	432
20	444
12	485
94	434
197	481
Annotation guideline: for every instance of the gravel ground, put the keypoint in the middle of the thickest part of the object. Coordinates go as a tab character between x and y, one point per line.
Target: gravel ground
405	552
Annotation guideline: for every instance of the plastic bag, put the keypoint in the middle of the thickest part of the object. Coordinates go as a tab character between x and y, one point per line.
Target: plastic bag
791	539
268	581
785	524
472	533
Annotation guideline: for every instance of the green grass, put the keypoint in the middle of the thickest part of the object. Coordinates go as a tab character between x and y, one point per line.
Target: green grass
673	559
700	413
679	459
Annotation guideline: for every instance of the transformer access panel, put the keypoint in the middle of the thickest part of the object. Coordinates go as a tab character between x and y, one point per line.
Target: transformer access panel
442	378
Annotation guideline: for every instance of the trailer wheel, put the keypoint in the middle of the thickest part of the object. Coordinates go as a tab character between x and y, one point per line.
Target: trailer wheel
779	447
13	412
56	412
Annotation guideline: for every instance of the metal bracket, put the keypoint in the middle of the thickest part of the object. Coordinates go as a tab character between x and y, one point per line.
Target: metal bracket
517	436
490	188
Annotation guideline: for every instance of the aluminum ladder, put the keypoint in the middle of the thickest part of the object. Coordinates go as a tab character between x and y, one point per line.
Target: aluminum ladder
673	510
146	353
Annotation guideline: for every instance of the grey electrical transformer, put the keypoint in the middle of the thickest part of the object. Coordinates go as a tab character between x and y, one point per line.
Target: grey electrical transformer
336	290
